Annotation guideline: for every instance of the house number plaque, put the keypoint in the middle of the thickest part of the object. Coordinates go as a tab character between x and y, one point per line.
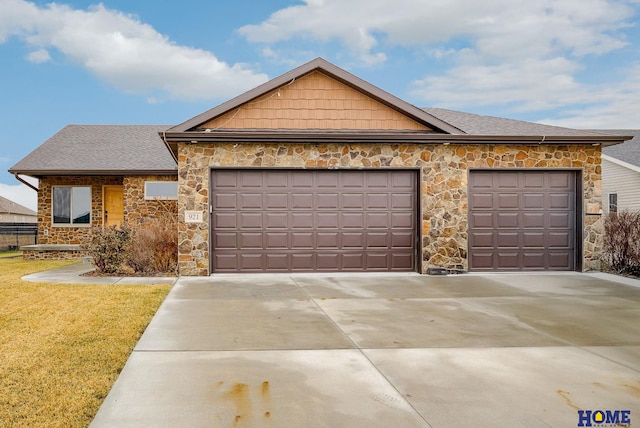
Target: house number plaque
193	216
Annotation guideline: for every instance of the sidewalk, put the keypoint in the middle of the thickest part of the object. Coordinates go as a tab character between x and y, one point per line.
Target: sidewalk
73	275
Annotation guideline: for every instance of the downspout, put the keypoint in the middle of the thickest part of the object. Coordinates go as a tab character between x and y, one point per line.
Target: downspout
25	182
164	140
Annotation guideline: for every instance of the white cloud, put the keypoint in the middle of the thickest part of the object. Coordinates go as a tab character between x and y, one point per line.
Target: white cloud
124	51
20	194
527	55
39	56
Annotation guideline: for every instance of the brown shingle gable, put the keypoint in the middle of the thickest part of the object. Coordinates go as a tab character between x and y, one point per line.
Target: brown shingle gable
332	71
100	149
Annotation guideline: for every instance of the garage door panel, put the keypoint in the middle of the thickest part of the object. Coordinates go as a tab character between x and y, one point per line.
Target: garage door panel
533	239
276	220
379	220
402	220
225	200
534	217
276	240
482	239
482	260
226	239
327	240
313	220
302	201
560	220
508	259
250	220
481	201
534	260
481	219
401	240
507	220
302	220
250	240
250	201
506	201
533	220
562	201
532	201
508	239
559	240
225	220
302	240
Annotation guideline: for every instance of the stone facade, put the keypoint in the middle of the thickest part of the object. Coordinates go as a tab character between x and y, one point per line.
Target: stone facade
49	234
137	208
444	176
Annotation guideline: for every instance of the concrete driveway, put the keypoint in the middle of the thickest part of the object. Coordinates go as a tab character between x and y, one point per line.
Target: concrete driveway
500	350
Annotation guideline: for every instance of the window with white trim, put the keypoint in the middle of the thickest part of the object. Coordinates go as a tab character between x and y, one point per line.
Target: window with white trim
167	190
71	205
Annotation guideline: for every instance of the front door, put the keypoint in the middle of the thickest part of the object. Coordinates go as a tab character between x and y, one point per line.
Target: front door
113	214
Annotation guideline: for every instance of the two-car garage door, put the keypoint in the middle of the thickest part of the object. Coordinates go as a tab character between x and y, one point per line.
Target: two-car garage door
314	220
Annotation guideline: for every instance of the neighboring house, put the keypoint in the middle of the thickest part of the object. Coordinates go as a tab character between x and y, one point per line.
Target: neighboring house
621	173
318	170
18	225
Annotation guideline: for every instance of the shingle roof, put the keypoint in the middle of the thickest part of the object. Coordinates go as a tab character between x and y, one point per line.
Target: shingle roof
9	207
100	149
629	151
475	124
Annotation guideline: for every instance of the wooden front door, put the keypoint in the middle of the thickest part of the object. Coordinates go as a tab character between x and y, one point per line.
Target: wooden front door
113	211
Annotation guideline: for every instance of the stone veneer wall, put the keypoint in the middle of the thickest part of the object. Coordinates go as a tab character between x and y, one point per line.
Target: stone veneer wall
69	234
443	179
137	208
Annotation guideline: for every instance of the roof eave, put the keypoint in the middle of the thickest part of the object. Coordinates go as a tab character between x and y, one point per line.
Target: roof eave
337	73
328	136
58	172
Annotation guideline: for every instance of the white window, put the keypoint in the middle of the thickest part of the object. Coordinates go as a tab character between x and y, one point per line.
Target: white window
71	206
613	202
161	190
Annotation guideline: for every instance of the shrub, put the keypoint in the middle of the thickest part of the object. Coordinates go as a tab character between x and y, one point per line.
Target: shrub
622	242
107	246
154	246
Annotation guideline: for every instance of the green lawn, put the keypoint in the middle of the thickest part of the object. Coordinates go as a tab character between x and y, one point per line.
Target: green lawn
62	346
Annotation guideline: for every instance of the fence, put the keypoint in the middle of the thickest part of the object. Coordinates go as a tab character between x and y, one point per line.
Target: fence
15	235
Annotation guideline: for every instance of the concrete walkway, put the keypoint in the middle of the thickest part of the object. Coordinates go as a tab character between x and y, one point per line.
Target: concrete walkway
384	351
72	274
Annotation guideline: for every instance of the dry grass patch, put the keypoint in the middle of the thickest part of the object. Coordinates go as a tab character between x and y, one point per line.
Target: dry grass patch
63	345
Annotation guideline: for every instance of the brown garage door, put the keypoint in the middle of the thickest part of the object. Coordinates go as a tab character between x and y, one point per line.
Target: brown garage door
313	220
522	220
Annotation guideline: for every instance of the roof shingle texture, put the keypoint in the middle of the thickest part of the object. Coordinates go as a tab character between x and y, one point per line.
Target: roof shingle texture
100	149
629	151
9	207
475	124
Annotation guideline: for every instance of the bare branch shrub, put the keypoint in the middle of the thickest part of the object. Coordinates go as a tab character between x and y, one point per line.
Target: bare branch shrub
622	242
154	246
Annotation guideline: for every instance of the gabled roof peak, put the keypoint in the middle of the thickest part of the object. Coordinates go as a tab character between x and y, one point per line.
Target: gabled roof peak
323	66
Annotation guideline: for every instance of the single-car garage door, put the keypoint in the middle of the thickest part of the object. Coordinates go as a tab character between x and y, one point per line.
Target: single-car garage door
522	220
313	220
